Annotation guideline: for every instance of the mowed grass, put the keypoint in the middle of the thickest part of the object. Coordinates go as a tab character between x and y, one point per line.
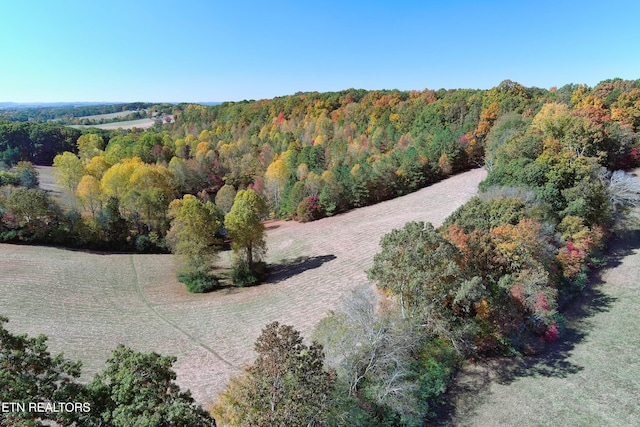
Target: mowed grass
87	303
46	176
590	378
129	124
108	116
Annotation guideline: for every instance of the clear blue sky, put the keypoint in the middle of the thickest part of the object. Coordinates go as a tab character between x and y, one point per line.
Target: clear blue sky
197	51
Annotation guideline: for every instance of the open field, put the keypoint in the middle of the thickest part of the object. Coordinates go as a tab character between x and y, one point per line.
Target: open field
47	179
108	116
87	303
129	124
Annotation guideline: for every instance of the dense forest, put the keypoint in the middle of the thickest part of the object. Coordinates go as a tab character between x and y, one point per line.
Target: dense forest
490	281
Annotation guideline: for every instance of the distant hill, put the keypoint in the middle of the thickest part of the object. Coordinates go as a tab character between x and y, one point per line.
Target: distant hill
27	105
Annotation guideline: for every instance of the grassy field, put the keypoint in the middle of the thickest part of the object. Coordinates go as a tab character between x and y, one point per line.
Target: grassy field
87	303
129	124
108	116
46	175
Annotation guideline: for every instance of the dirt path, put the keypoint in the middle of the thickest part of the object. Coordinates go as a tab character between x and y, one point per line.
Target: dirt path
88	303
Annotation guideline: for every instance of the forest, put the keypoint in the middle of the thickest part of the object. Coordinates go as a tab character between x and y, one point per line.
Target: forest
491	281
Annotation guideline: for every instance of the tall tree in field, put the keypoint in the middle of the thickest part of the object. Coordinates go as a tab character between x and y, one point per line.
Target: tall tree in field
244	223
193	235
286	386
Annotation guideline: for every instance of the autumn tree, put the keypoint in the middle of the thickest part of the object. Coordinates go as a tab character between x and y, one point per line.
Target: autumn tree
423	270
287	385
89	146
244	224
68	171
150	189
116	181
88	192
276	178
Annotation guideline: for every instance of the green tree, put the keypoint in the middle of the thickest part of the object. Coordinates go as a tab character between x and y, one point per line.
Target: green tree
193	236
27	174
138	389
424	271
33	211
225	198
244	223
286	386
30	374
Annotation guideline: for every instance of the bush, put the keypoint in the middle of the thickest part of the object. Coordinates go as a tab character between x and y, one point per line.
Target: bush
308	209
199	282
244	275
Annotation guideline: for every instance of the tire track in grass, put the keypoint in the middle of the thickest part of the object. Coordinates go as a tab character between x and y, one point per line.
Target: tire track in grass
172	324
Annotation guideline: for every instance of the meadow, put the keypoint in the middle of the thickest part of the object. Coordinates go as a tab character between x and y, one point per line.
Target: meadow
87	302
108	116
129	124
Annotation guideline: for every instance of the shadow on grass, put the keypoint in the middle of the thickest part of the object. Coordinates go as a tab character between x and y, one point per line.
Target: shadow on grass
471	387
290	268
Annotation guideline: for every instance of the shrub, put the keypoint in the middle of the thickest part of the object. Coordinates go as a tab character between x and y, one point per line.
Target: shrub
198	282
308	209
244	275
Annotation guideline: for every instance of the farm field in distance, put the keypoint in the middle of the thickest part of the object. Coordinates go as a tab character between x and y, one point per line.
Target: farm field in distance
129	124
108	116
87	303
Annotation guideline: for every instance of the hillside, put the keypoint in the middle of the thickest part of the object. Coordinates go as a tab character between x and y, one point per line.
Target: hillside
101	300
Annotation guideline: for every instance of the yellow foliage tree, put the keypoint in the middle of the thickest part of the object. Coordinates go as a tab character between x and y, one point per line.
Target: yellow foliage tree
89	193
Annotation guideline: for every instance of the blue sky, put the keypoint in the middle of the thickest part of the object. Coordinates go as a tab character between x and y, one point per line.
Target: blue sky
197	51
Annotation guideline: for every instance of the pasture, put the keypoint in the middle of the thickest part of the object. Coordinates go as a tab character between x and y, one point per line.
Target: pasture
108	116
129	124
87	303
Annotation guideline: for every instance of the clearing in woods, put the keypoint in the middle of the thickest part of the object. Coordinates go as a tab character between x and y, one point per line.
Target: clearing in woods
87	303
